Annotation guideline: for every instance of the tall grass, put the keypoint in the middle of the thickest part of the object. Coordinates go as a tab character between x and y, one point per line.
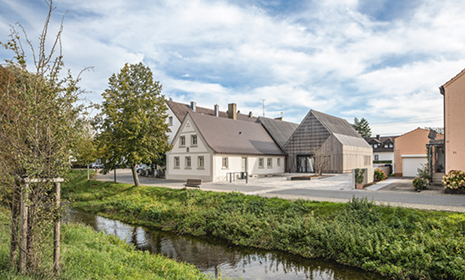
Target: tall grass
90	255
395	242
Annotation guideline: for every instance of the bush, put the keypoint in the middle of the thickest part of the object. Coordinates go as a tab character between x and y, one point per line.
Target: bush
454	180
420	183
379	175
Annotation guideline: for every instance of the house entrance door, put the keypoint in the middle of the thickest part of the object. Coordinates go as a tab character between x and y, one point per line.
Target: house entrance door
305	164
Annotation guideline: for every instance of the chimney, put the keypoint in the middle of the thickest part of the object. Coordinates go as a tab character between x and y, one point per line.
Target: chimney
279	118
250	114
217	110
171	99
377	136
193	106
232	111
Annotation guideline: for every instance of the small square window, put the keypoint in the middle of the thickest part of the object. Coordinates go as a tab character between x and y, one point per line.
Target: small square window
269	163
391	145
176	162
201	163
194	140
225	162
188	162
182	141
261	163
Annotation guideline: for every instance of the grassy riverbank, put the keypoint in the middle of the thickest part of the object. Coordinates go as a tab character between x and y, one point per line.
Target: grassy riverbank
87	254
396	242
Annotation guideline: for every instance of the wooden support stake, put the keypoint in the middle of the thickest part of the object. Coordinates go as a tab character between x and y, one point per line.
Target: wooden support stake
56	237
23	230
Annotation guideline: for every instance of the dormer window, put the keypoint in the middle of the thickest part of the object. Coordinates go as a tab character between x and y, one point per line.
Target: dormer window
385	145
391	145
375	146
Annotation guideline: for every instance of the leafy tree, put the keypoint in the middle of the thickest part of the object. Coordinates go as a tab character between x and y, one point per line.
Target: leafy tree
37	129
85	151
362	126
132	121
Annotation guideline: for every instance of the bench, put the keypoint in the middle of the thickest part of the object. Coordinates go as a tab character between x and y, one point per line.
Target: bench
193	183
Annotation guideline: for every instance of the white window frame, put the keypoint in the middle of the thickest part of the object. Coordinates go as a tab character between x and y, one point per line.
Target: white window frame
376	157
194	143
188	162
170	121
278	161
182	141
201	162
269	163
224	162
261	163
177	162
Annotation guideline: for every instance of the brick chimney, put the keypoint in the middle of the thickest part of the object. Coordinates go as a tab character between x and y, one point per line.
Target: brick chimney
232	111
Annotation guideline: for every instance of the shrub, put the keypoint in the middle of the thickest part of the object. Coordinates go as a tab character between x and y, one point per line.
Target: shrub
379	175
454	180
420	183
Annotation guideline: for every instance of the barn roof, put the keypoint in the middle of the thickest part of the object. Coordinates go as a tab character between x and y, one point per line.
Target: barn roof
279	130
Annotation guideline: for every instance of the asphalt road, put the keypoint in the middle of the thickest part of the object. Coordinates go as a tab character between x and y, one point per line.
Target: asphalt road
394	192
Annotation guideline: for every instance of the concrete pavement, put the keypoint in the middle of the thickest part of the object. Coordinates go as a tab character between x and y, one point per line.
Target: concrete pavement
335	188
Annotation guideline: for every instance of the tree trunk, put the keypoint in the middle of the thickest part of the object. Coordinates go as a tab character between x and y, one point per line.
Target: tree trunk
88	172
56	235
31	258
15	214
134	175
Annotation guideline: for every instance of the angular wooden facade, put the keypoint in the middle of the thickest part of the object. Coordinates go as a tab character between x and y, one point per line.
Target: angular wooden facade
333	136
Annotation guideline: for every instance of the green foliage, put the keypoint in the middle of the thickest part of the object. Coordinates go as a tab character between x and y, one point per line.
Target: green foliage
395	242
454	180
423	179
359	175
133	119
379	175
362	127
90	255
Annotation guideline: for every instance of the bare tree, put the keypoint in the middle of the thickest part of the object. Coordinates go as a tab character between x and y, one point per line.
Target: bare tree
321	161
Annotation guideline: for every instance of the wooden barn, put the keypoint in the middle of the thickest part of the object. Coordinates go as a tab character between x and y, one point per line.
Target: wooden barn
332	136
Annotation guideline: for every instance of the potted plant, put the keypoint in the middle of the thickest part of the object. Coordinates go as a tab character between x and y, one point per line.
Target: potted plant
359	178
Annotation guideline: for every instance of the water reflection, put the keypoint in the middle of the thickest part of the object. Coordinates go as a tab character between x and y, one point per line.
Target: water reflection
215	257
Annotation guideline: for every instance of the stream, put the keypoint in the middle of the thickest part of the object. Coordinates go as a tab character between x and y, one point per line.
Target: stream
217	257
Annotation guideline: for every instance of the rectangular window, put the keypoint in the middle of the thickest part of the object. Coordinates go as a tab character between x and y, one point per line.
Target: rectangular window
261	163
194	140
176	162
224	162
269	163
278	162
201	163
182	141
170	121
188	162
376	157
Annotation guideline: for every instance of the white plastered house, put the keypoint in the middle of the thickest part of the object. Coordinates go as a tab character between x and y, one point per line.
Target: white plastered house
209	147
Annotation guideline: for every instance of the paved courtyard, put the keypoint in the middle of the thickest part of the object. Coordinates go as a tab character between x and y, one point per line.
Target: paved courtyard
336	188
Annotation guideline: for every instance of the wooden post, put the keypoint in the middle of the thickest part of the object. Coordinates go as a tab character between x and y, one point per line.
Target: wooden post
56	237
23	230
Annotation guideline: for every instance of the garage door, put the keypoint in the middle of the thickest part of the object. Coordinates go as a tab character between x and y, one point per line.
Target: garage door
410	164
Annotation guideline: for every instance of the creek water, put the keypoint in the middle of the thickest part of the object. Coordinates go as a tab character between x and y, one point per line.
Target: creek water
217	257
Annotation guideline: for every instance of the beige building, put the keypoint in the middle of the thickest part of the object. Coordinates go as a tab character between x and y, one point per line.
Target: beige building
410	152
454	122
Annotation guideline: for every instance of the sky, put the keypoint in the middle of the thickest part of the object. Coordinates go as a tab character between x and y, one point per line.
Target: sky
375	59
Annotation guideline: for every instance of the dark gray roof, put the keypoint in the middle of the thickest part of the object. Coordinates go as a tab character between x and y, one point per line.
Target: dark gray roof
180	110
279	130
229	136
336	125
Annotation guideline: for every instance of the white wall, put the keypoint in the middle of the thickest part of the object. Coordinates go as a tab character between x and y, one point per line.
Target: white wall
174	128
384	156
235	165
